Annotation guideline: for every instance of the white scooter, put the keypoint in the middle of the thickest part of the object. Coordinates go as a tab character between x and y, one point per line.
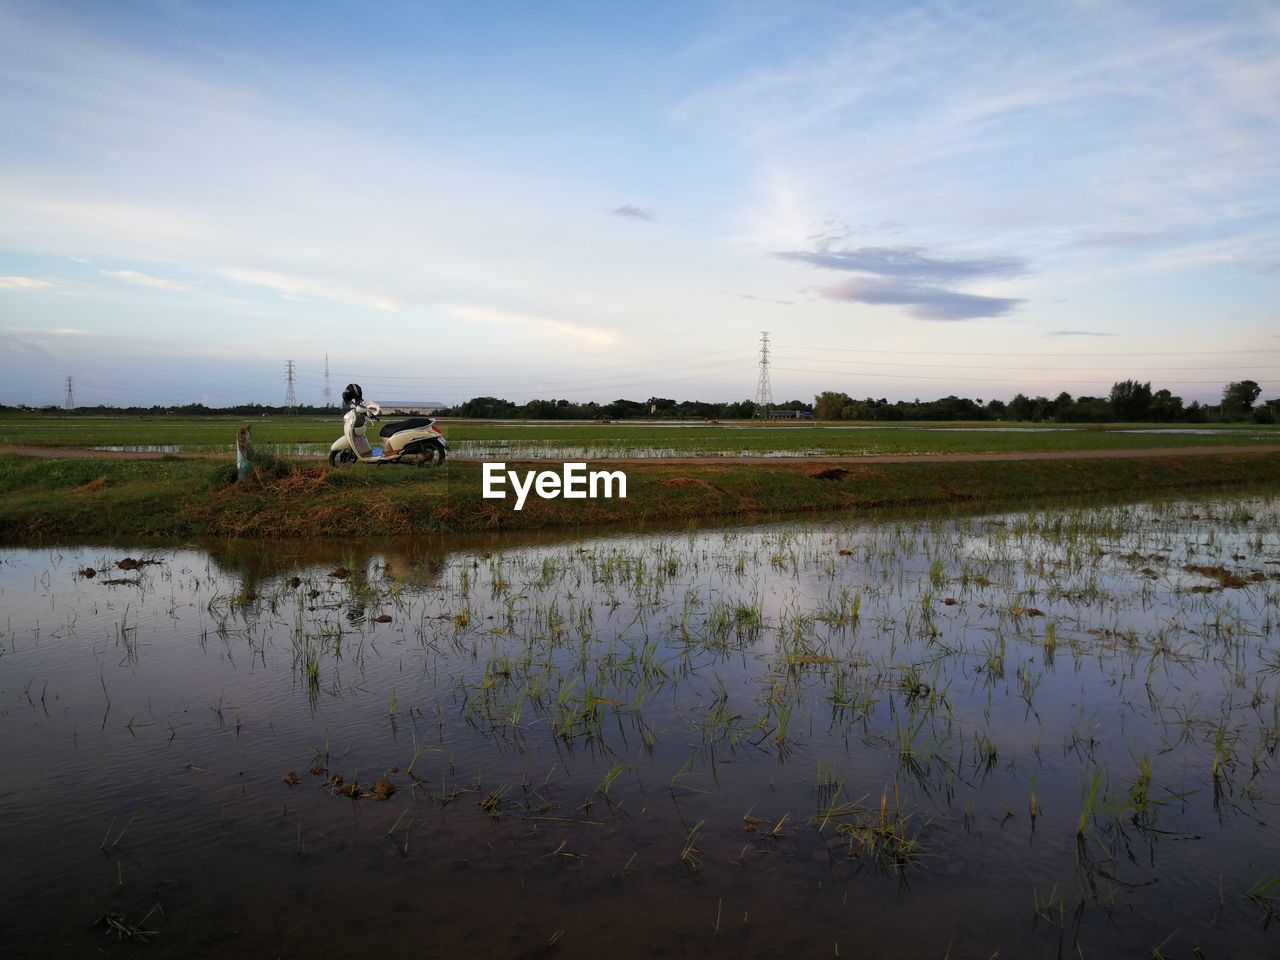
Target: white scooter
411	440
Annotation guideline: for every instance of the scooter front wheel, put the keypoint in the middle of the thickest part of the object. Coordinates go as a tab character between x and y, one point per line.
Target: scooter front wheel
339	458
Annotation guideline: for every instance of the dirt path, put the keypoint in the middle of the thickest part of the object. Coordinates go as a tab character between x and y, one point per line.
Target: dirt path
85	453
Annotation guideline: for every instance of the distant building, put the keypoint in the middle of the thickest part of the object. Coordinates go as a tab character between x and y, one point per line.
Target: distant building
411	407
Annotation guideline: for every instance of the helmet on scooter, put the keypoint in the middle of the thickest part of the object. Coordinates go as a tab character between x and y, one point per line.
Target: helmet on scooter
352	394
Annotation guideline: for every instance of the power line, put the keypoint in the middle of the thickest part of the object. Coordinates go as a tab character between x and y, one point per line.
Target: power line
601	373
969	379
1249	351
1056	368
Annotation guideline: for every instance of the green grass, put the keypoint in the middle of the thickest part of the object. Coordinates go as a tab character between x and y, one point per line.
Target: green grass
184	497
835	439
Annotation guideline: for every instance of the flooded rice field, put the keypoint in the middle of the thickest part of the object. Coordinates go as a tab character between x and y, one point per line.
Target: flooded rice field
1042	734
554	450
500	450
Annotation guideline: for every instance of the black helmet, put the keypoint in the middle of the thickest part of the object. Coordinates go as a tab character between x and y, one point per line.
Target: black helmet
352	394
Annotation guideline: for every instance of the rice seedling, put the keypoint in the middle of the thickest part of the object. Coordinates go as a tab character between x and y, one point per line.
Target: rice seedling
883	836
1050	909
1265	893
603	787
491	802
689	853
1089	801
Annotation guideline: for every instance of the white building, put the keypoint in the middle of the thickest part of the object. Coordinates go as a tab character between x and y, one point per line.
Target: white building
411	407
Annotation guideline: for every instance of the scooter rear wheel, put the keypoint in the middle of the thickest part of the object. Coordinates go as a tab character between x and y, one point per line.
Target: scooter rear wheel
426	453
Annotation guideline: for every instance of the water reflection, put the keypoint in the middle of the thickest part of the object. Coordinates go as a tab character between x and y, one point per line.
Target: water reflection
1027	732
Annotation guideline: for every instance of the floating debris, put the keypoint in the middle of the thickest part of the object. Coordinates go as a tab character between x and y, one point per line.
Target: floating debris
1225	577
132	563
123	927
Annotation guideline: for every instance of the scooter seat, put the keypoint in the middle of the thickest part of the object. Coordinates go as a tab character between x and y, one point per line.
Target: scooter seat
390	428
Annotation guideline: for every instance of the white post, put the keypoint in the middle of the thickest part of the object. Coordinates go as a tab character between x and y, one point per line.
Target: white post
244	452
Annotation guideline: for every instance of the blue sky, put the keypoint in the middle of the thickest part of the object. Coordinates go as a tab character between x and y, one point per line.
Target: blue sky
602	200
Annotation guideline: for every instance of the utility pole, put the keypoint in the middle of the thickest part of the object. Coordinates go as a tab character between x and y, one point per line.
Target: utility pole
328	394
70	401
290	398
764	390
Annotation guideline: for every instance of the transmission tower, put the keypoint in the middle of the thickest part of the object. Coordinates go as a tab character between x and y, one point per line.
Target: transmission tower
290	399
764	391
70	401
328	394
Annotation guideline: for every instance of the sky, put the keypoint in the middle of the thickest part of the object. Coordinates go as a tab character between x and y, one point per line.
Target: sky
602	200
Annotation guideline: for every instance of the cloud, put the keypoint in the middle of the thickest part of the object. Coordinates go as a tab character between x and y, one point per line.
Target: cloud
632	212
22	349
591	335
1128	239
300	288
908	276
146	280
908	262
749	296
1080	333
1085	129
23	283
924	302
49	331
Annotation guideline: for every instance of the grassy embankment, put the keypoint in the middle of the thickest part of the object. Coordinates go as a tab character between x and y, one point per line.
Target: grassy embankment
81	498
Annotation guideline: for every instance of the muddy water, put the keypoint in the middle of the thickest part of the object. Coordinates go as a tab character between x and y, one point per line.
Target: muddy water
1030	733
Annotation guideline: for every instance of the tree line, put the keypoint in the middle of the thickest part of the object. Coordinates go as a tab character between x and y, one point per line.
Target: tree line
660	407
1129	401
